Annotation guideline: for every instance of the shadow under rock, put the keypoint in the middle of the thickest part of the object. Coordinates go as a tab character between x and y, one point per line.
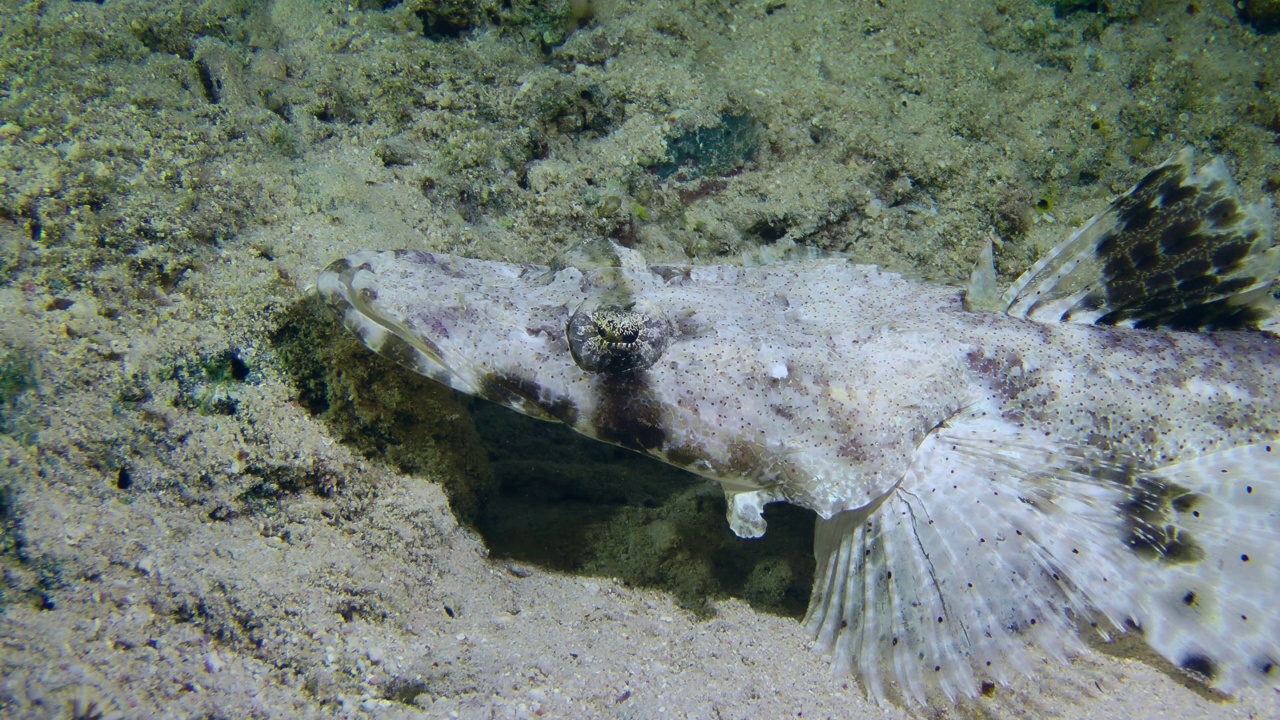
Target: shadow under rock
568	503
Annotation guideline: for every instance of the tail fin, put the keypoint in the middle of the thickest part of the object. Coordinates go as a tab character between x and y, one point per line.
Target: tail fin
995	540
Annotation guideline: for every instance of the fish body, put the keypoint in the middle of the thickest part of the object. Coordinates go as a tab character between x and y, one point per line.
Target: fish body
1102	449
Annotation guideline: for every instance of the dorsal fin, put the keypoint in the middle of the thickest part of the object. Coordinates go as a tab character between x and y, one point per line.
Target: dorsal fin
1178	251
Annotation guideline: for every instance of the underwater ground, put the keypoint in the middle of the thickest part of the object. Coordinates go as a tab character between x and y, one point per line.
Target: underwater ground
213	503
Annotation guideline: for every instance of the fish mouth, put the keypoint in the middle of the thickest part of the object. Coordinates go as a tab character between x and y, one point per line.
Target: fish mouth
348	285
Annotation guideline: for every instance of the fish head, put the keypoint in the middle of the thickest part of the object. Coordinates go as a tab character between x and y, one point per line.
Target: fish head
759	378
491	329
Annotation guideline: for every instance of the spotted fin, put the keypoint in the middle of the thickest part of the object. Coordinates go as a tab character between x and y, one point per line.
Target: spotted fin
996	539
1210	604
1178	251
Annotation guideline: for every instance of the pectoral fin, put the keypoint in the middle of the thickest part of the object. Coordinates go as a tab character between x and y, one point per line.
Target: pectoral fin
745	510
1211	535
995	540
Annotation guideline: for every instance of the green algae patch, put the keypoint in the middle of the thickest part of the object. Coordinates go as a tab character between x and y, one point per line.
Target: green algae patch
720	149
10	532
207	384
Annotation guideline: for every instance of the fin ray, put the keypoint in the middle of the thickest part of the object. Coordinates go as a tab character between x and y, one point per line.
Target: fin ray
995	540
967	586
1179	250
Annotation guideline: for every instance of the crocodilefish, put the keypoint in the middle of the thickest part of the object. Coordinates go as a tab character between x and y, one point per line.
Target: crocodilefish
1097	449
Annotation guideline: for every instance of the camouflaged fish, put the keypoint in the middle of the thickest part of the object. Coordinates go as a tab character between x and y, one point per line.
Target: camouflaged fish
1100	452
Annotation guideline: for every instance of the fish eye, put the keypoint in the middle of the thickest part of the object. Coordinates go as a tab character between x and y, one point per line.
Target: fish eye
617	325
615	338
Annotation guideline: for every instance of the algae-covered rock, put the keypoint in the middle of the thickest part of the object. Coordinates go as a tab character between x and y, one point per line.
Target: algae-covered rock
380	409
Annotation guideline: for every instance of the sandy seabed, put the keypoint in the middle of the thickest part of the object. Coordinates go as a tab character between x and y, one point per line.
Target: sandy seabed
216	505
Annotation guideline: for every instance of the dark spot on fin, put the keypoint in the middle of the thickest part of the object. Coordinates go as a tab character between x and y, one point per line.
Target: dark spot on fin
1178	251
1202	666
1151	523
